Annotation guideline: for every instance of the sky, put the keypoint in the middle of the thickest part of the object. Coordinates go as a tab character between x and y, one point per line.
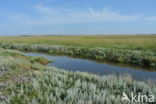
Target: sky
77	17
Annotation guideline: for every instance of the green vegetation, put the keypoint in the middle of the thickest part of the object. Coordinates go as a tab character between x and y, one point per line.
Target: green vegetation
11	63
48	85
137	50
133	57
136	42
26	80
8	65
54	86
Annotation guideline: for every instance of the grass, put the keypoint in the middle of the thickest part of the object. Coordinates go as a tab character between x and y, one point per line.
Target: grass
50	85
136	42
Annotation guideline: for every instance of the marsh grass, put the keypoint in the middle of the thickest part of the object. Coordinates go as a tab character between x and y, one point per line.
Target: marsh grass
132	42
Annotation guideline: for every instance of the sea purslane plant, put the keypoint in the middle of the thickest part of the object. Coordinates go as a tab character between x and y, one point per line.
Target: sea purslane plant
55	86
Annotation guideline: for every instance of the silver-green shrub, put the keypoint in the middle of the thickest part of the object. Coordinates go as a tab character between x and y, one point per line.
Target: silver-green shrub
55	86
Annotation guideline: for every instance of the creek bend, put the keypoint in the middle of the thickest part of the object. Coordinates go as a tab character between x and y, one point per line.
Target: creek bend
86	65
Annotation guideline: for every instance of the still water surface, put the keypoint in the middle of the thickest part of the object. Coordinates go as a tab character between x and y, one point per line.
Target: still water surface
85	65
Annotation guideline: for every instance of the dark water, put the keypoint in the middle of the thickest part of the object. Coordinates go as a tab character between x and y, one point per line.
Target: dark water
84	65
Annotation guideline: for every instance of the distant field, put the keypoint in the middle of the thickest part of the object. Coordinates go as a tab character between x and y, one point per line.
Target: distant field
136	42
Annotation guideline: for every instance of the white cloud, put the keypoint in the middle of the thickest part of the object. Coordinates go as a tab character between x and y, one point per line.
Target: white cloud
57	15
152	18
45	10
20	17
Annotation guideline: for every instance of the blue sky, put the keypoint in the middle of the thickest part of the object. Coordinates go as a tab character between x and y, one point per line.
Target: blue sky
45	17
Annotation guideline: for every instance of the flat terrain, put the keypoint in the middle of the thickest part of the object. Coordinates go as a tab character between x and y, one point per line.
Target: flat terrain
135	42
26	80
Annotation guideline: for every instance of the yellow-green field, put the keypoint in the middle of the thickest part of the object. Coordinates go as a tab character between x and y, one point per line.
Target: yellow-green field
136	42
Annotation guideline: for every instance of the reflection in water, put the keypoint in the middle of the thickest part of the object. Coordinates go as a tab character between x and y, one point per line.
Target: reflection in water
83	65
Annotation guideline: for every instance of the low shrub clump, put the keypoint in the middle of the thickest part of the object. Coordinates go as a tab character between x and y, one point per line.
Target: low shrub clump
55	86
9	62
13	62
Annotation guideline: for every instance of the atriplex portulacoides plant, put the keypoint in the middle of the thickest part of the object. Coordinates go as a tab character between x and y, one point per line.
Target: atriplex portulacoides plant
55	86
